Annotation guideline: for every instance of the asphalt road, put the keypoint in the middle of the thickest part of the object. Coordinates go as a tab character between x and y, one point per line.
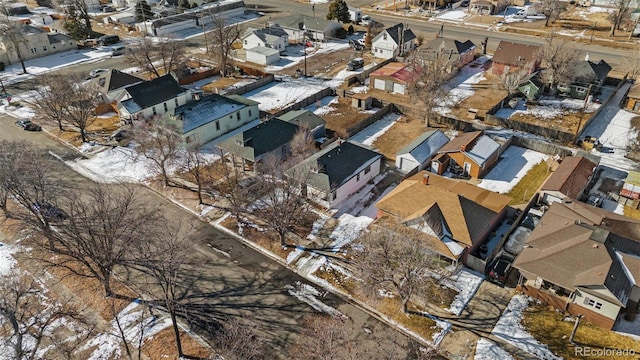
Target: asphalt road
232	279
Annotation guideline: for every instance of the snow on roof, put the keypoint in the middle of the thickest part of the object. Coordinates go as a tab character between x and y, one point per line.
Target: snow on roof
197	113
455	248
483	149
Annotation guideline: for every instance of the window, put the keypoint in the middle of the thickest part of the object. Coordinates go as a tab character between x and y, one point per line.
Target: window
333	195
165	107
44	48
592	303
367	169
384	36
249	112
176	100
217	124
358	177
154	110
238	116
33	50
239	142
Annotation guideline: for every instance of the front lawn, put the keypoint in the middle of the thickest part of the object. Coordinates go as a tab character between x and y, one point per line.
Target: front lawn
525	188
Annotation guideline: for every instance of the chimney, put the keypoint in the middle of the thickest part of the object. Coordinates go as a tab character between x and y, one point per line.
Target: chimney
586	57
339	141
425	179
463	148
594	246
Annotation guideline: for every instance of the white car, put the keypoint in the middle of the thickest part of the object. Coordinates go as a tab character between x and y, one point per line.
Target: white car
366	20
96	72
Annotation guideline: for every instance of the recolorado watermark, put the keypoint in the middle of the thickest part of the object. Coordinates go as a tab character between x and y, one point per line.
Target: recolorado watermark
587	351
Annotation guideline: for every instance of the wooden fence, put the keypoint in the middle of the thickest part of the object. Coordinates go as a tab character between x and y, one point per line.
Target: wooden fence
250	87
386	109
306	101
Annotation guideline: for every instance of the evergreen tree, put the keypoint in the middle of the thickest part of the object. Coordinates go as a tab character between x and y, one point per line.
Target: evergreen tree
143	11
75	24
339	10
183	5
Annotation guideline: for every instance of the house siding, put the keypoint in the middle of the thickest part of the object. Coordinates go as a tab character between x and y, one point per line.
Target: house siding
229	122
34	46
350	187
171	106
384	47
501	68
252	40
608	309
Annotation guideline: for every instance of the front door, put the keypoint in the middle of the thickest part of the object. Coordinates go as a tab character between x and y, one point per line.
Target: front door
467	169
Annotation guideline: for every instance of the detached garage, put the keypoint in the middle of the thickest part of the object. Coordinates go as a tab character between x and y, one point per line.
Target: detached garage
419	152
262	55
394	77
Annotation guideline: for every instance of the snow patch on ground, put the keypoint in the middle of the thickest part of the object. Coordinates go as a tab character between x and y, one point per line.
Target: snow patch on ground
368	135
323	106
466	282
349	229
453	15
7	261
513	165
510	329
113	165
280	94
309	295
488	350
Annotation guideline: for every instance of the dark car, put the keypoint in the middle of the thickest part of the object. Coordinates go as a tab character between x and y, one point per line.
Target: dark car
49	212
500	270
355	45
28	125
108	40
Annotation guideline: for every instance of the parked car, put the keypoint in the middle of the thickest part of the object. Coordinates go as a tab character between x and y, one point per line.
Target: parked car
464	3
355	64
118	50
96	72
108	40
366	20
49	212
28	125
355	45
500	270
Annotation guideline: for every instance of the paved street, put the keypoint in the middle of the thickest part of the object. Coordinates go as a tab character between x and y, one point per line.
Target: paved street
244	283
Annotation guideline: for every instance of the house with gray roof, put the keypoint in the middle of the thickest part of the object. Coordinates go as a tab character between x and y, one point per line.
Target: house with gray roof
301	27
33	43
213	116
586	260
338	171
418	153
393	41
273	37
588	77
112	84
254	144
456	53
153	98
308	120
470	154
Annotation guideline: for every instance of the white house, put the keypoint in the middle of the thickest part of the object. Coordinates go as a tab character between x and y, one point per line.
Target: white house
34	43
338	171
300	27
394	41
419	152
214	115
355	14
262	55
112	85
271	37
153	98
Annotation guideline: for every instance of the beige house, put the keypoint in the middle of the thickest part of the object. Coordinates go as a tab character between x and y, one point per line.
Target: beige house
34	43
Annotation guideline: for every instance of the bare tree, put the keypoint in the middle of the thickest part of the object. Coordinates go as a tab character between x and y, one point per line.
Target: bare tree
327	337
83	97
223	37
145	53
132	346
396	261
238	339
512	80
559	58
282	204
52	99
13	35
552	9
161	142
29	316
195	164
302	144
101	229
427	86
620	11
231	187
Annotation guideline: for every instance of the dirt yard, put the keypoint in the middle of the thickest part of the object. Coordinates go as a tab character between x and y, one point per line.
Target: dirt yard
405	130
343	116
487	93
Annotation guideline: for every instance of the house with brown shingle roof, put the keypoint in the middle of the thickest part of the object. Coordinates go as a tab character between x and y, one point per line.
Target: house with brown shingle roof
584	260
458	217
473	153
510	57
569	181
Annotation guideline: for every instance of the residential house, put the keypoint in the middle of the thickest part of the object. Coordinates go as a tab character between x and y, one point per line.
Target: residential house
394	77
470	154
531	86
302	27
112	85
481	7
153	98
273	37
588	77
583	260
418	154
338	171
214	115
355	14
455	53
394	41
632	99
262	55
308	120
456	217
252	145
34	43
631	186
568	181
512	57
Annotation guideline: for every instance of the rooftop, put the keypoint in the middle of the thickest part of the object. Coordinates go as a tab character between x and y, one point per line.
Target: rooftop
209	108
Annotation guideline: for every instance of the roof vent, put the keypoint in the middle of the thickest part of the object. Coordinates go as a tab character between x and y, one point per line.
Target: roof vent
594	246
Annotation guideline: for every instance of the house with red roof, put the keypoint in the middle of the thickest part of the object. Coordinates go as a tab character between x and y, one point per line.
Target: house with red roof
394	77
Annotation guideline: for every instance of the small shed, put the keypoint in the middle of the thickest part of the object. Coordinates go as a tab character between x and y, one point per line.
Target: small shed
394	77
631	186
419	152
263	55
632	100
362	101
